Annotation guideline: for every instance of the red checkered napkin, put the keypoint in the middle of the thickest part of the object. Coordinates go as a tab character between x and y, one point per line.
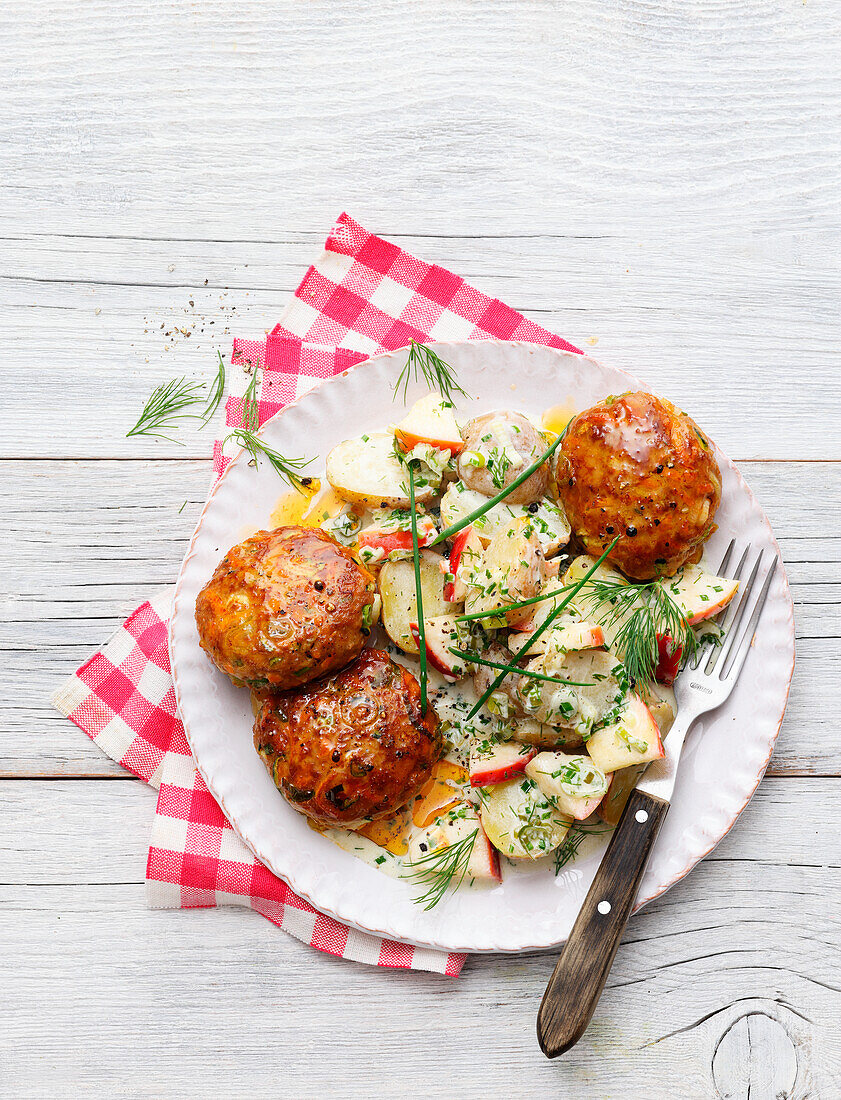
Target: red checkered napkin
363	296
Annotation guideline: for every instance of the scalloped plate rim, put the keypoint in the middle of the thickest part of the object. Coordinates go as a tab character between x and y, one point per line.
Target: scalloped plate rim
648	892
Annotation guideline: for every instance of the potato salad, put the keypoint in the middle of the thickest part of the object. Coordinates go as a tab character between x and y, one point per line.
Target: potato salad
548	669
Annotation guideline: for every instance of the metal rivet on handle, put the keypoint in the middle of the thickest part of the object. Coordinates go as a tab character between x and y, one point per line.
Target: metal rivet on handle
604	908
641	816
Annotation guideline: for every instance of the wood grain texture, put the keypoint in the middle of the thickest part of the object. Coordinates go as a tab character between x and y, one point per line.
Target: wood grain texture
89	540
105	994
658	183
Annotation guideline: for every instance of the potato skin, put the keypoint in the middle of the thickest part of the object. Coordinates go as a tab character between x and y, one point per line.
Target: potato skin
638	467
350	746
285	607
526	441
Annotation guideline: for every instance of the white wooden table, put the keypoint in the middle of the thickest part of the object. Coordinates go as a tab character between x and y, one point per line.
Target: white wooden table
657	182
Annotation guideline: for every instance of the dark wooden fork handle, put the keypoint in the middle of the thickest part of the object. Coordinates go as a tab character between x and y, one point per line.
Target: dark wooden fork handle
579	976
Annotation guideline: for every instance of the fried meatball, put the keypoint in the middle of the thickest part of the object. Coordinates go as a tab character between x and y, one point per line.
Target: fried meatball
285	607
352	746
638	467
507	443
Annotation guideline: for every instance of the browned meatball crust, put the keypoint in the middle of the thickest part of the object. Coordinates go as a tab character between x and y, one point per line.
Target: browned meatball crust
638	467
352	746
285	607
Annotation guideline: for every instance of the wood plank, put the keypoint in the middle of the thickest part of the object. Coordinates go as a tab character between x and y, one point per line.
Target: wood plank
749	934
180	121
78	310
109	534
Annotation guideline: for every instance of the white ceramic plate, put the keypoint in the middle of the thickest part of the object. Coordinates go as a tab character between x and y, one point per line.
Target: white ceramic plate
723	761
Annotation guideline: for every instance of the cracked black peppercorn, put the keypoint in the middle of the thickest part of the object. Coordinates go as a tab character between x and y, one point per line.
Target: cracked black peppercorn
533	507
336	757
319	586
630	532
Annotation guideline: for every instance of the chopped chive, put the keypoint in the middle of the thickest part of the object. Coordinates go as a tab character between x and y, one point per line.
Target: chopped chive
544	626
418	592
474	658
511	606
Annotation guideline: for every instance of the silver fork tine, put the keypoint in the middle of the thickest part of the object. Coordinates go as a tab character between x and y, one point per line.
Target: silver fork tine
736	621
740	650
725	561
729	613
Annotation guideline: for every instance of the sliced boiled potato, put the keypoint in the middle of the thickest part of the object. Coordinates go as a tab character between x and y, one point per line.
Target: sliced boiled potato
510	570
549	520
400	606
520	821
366	470
585	601
591	689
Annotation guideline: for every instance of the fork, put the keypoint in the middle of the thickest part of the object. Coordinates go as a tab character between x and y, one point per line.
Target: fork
587	956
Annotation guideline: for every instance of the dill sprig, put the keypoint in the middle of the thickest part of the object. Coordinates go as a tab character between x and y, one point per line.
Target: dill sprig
164	409
442	868
644	610
216	391
418	592
474	658
250	404
287	468
568	848
544	626
423	362
448	532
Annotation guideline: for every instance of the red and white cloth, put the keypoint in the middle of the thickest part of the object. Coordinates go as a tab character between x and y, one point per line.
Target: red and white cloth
363	296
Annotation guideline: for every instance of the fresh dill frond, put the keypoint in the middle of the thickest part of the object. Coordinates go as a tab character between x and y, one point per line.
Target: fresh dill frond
250	404
418	589
644	611
438	375
165	408
216	390
442	868
568	849
287	468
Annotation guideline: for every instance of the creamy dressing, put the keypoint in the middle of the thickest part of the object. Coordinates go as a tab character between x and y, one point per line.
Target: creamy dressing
451	702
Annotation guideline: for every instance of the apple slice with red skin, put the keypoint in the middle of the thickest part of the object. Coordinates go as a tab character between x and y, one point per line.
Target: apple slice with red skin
431	421
699	595
379	538
504	760
441	635
632	739
544	769
669	653
466	546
